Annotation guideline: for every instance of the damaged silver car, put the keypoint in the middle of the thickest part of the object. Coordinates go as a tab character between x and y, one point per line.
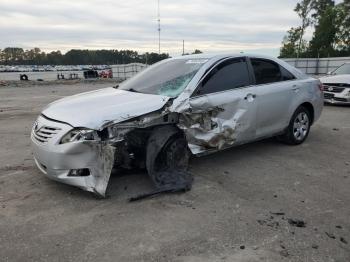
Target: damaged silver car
195	105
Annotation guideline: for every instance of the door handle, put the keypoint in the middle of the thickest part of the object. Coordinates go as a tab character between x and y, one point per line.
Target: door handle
295	88
250	97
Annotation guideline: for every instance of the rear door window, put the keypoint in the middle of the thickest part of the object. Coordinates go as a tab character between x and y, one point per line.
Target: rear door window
228	75
266	71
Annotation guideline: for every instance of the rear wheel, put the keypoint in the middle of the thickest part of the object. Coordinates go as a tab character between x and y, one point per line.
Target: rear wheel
299	127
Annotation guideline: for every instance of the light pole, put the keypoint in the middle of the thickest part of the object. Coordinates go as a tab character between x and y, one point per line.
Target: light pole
158	27
183	47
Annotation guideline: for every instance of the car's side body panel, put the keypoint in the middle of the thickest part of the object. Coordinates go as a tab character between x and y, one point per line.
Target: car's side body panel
219	120
272	117
244	114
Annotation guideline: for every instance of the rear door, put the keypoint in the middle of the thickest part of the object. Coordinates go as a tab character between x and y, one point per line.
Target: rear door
223	108
274	95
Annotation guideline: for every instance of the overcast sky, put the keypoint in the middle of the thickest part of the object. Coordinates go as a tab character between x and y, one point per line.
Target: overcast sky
208	25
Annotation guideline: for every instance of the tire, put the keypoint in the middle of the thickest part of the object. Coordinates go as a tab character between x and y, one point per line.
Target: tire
169	166
174	155
299	127
23	77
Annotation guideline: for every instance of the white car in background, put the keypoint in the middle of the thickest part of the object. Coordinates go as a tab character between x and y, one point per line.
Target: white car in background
337	85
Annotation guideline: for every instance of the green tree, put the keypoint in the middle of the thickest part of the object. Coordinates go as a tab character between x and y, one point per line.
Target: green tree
55	57
291	45
331	25
303	10
323	41
343	34
197	51
13	54
16	56
319	7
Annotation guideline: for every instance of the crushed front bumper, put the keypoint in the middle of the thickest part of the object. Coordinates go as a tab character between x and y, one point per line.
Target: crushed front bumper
342	97
60	162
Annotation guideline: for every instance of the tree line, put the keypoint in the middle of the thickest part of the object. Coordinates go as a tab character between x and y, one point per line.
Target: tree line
330	23
19	56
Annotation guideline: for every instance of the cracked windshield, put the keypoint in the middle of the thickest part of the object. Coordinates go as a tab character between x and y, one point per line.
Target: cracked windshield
167	78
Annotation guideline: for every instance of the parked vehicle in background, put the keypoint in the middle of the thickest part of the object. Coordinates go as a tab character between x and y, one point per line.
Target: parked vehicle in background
195	104
337	85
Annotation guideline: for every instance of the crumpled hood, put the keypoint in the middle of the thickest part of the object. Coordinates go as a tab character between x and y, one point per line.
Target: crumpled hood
341	79
94	109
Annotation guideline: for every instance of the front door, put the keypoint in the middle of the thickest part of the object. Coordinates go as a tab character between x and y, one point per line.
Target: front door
222	109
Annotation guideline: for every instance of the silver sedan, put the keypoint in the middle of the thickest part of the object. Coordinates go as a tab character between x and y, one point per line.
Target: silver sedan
190	105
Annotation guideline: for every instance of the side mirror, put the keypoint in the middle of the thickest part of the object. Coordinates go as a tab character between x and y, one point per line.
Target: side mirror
329	73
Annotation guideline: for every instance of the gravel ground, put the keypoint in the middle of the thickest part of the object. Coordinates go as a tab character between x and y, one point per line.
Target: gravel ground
259	202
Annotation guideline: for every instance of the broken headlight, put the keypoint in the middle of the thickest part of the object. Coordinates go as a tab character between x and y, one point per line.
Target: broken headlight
79	135
117	132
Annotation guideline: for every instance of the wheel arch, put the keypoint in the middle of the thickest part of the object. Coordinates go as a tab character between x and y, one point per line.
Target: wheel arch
156	141
311	110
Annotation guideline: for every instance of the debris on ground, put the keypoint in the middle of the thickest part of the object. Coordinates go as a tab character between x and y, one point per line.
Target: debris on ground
330	235
277	213
167	163
269	222
296	222
314	246
284	253
155	193
343	240
172	182
242	247
261	222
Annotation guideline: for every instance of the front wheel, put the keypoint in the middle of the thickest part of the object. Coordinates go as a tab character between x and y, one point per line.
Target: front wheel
167	160
298	128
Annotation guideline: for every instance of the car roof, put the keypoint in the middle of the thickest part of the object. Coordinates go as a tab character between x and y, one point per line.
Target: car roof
214	57
222	55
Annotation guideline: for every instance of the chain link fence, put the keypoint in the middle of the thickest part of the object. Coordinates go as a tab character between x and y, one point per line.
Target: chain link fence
311	66
122	72
317	66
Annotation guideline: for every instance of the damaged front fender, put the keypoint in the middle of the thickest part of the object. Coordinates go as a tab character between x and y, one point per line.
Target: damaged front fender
101	169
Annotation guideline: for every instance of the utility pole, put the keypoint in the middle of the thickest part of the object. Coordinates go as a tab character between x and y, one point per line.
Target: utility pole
183	47
158	27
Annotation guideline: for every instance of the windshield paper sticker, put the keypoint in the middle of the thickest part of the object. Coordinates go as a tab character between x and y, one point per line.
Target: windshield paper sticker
197	61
